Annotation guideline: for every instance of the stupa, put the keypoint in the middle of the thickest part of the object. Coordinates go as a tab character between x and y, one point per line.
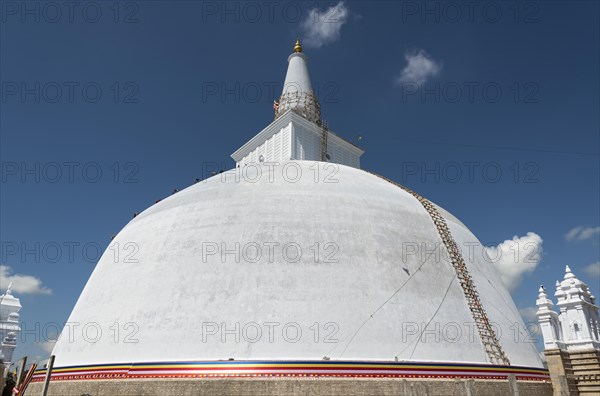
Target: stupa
296	272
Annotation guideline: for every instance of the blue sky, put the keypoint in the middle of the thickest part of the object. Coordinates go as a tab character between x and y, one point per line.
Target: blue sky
491	111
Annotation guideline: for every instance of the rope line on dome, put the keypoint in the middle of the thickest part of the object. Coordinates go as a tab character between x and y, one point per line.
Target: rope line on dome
487	334
380	307
429	322
525	335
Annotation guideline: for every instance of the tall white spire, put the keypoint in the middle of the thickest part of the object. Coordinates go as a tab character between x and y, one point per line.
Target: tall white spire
297	93
297	132
297	78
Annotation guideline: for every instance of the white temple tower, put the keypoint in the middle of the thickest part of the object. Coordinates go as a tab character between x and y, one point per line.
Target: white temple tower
9	325
571	336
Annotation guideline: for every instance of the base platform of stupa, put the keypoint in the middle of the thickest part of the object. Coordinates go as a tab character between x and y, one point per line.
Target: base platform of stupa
295	378
296	386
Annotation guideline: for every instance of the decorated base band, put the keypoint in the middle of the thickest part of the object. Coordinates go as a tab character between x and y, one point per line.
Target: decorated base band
229	369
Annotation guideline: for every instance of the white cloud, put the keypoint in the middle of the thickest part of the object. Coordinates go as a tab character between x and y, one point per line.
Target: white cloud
516	257
419	68
582	233
569	236
48	346
25	284
593	270
528	314
322	27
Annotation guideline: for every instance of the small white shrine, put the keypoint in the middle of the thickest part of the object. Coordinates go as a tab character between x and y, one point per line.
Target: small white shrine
571	337
9	325
576	325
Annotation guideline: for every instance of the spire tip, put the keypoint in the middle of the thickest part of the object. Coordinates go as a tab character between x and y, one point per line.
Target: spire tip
298	46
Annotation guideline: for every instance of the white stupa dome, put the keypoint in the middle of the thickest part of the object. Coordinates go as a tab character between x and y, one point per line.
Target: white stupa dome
182	295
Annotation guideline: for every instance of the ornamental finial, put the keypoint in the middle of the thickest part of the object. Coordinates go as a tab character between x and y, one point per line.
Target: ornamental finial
298	47
568	273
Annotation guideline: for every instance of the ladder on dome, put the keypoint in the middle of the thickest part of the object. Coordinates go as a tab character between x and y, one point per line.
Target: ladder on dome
486	333
324	137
